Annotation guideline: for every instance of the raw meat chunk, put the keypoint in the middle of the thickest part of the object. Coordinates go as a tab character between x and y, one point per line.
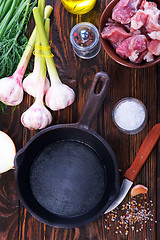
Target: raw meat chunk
154	35
152	21
140	57
154	47
148	16
123	49
148	57
138	20
147	5
124	10
150	8
115	34
132	47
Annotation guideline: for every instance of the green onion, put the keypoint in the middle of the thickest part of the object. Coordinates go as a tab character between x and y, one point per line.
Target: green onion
7	18
59	95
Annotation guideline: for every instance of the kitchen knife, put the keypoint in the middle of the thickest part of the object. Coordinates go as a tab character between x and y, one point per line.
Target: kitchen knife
141	157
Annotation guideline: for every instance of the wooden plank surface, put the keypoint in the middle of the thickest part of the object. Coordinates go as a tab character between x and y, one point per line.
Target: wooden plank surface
144	84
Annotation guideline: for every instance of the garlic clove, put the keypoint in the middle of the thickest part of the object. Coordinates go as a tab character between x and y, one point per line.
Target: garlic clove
30	84
36	117
138	189
59	96
7	152
11	92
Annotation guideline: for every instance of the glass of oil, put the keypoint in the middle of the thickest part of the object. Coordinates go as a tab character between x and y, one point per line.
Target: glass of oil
78	6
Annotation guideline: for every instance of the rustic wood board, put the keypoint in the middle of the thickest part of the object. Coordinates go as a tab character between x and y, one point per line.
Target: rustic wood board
144	84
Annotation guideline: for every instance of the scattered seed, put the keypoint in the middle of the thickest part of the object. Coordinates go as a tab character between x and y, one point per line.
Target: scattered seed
132	216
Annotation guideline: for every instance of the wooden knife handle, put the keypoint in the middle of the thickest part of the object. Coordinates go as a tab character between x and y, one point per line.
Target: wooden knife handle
143	153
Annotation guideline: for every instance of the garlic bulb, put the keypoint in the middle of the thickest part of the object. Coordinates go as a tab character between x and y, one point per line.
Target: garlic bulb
36	117
59	96
11	91
30	84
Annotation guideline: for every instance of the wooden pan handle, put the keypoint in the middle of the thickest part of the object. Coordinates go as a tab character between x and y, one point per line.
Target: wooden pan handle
143	153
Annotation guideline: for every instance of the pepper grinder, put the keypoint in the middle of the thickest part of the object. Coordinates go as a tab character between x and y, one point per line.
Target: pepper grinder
85	41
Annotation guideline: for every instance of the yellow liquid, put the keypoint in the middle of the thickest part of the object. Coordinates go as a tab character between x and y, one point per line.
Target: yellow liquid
78	6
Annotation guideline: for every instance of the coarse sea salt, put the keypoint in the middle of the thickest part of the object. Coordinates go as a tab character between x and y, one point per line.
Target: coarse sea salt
129	115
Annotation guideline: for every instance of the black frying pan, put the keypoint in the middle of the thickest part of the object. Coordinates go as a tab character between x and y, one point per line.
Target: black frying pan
67	175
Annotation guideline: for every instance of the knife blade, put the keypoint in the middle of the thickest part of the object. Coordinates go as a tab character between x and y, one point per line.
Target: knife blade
141	157
126	185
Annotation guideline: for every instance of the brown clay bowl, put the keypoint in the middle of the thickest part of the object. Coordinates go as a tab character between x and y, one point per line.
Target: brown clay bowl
107	13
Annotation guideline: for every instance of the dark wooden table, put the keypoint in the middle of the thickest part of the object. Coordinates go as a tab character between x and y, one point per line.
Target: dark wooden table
144	84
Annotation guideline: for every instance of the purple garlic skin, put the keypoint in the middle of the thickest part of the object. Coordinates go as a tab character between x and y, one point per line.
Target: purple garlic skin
36	117
11	91
30	84
59	96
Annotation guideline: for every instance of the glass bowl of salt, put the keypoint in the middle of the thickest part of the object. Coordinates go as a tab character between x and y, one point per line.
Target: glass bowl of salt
129	115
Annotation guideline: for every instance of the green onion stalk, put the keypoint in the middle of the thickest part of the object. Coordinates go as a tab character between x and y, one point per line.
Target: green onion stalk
38	116
31	81
59	95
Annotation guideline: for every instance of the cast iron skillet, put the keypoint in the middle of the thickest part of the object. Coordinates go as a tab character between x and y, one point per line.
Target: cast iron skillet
67	175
